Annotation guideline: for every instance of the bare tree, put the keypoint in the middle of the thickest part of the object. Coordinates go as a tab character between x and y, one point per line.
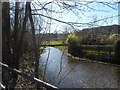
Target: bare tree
34	43
12	49
6	40
39	12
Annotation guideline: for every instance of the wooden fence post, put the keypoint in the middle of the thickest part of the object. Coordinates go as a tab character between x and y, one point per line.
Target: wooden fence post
117	52
0	42
98	48
109	52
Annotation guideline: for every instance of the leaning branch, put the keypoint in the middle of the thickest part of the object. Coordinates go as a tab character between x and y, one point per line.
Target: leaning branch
53	19
75	23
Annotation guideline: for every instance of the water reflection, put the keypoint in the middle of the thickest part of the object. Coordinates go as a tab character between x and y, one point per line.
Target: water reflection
78	73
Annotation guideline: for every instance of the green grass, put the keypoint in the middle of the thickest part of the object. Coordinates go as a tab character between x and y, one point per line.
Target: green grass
94	52
53	43
61	47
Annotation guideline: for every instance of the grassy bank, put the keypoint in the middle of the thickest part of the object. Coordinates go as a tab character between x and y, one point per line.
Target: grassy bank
53	43
95	52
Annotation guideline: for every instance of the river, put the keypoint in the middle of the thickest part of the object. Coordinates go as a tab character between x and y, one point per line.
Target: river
66	72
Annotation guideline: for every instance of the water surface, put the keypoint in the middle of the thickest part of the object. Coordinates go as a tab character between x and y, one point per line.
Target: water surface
66	72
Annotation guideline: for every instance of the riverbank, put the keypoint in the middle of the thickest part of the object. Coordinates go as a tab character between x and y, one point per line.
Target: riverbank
71	72
55	43
84	67
27	66
86	59
83	59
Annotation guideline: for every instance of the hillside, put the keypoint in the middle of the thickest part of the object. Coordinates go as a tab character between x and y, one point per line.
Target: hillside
102	31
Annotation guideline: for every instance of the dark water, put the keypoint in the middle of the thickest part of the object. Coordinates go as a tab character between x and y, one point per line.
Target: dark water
78	73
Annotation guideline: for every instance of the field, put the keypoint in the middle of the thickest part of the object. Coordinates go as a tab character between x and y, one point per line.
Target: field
53	43
95	52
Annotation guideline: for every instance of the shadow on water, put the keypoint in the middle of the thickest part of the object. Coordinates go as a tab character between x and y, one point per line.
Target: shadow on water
78	73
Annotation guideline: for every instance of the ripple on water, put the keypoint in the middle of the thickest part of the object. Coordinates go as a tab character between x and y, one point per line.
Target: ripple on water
79	73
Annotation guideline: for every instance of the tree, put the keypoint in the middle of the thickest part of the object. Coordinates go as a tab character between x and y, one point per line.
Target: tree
34	43
41	18
12	51
6	52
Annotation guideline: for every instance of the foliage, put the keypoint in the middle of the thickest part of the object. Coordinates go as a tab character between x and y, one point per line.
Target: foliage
111	37
71	36
74	48
61	47
74	45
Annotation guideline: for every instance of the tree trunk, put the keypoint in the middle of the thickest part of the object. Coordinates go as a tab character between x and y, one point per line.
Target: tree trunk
0	42
15	61
18	45
34	43
6	52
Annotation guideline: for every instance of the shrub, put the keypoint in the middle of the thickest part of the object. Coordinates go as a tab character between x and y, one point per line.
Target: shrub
74	48
71	36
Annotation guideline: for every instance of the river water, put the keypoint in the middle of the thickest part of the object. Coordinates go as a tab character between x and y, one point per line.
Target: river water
66	72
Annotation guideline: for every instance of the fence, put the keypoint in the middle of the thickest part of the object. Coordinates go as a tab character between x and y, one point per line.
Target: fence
29	77
104	50
104	53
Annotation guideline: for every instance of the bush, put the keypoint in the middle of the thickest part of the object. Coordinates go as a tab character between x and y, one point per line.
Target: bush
71	36
74	48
